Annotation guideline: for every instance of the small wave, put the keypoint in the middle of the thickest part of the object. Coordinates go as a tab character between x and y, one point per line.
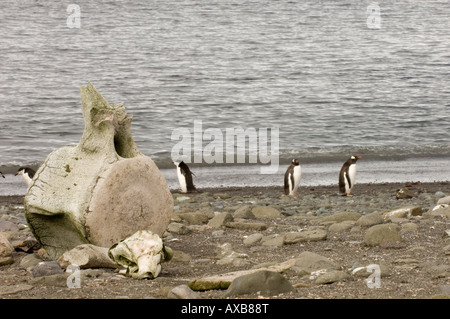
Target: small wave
307	155
330	155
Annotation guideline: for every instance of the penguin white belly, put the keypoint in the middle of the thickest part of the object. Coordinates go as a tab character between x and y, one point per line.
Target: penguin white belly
27	179
297	175
352	176
181	180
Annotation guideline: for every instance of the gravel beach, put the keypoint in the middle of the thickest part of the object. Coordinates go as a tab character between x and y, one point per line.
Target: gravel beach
223	231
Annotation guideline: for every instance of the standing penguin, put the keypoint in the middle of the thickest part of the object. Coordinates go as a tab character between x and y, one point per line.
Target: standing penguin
292	178
347	176
27	174
185	178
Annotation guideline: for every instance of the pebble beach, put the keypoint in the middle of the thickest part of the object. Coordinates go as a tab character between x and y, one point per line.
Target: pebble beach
318	245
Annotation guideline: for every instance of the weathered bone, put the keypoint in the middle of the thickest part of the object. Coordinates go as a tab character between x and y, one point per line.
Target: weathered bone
99	191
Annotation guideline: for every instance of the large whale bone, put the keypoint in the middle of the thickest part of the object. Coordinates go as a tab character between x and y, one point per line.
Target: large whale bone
99	191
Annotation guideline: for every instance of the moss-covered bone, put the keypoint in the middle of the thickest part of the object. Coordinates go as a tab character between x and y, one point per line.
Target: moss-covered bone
99	191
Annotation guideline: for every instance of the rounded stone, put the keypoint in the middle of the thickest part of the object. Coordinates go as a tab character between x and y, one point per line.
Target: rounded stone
383	233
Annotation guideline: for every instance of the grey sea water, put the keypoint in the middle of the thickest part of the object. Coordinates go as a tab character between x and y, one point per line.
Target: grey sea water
335	77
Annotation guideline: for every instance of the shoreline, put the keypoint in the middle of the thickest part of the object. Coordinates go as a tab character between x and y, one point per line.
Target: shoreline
425	170
274	191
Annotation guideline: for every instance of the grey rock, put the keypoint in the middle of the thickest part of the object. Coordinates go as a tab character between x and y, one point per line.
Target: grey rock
244	212
6	248
6	261
385	233
440	212
46	268
253	239
330	277
275	240
222	195
7	226
444	200
405	261
217	205
342	226
56	280
306	235
29	261
220	220
247	226
310	261
183	292
404	193
178	228
266	212
263	282
223	281
408	228
196	218
371	219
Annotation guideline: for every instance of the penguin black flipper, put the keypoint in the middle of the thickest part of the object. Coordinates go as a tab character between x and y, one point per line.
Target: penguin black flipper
347	177
343	177
342	182
289	172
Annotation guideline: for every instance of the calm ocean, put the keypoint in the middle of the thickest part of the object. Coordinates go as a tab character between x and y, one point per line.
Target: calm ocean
334	77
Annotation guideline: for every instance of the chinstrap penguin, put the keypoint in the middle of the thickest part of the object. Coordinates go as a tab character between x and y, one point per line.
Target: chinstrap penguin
185	177
347	176
27	174
1	174
292	178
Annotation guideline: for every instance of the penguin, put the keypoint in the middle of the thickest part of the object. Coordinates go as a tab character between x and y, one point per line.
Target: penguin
185	177
347	176
27	174
1	174
292	178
